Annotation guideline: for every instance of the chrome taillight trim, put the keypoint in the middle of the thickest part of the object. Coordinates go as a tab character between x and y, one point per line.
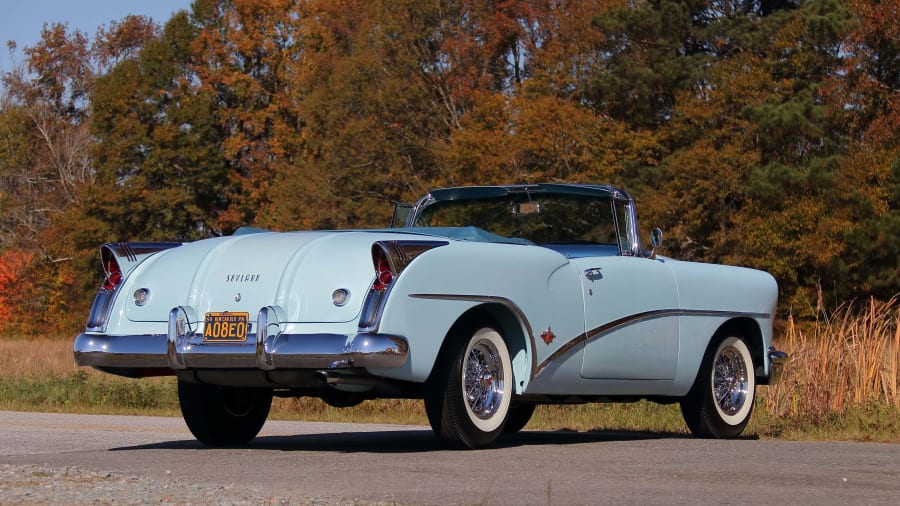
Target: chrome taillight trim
373	307
101	310
132	253
399	255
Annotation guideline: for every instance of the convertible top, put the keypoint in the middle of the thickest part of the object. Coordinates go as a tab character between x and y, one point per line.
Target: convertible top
488	192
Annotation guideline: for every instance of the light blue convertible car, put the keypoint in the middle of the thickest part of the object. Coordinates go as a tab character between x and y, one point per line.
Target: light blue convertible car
483	301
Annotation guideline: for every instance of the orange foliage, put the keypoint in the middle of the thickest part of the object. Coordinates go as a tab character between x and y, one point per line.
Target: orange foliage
544	138
12	265
871	68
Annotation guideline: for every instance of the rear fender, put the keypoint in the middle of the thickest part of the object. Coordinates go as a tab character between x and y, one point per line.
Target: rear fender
507	319
118	260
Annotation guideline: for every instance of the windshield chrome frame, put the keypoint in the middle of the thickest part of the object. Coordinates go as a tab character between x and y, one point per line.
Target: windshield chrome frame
616	194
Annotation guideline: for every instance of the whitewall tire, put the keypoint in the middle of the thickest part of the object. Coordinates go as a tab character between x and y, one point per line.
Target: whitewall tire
721	400
468	397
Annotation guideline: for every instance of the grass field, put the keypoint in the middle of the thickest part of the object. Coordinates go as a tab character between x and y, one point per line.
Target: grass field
842	383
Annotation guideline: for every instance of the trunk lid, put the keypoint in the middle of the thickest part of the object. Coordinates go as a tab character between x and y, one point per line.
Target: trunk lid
298	271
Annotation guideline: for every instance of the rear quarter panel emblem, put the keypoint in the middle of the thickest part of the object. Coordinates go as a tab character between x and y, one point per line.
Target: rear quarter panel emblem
548	336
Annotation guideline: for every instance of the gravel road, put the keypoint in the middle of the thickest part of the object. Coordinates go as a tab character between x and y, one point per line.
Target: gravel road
90	459
55	437
44	484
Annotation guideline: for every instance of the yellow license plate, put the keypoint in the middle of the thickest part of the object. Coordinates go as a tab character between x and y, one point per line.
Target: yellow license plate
226	327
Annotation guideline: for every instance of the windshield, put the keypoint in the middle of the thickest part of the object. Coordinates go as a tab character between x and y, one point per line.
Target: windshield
543	219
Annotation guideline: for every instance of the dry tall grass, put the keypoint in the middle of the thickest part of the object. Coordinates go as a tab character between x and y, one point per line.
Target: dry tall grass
846	359
36	357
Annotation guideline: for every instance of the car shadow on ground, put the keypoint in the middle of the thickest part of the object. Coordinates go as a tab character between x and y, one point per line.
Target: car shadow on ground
411	441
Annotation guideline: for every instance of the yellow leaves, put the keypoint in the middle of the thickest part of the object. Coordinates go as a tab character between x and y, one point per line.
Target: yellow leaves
542	138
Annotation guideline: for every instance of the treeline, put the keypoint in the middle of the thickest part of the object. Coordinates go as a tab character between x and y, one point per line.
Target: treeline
759	133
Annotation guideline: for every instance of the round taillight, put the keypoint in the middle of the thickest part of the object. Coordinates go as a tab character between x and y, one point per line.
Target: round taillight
383	274
112	280
111	269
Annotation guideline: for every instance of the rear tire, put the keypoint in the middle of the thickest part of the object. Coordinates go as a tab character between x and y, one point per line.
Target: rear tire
721	401
519	416
468	397
223	416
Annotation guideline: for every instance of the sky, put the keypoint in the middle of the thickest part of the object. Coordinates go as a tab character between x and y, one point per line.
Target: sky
22	20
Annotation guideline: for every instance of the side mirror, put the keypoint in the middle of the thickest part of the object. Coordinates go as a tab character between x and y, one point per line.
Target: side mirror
656	239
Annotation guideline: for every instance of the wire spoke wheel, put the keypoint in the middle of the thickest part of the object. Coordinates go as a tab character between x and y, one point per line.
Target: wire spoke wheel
468	396
730	381
483	380
721	400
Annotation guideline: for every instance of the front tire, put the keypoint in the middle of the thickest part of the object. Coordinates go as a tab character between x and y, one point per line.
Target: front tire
721	401
223	416
468	397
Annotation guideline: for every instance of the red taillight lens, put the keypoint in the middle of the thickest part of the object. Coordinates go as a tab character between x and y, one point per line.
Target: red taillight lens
113	272
383	274
112	280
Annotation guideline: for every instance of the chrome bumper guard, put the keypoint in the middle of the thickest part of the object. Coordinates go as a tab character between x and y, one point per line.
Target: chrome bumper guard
777	360
183	349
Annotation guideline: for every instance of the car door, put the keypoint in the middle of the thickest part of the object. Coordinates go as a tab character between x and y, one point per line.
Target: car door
631	318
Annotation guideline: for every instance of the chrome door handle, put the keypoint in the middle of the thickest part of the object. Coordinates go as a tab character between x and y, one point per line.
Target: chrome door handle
593	273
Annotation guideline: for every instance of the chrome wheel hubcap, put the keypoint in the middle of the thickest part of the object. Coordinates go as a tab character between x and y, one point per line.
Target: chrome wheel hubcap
730	381
483	380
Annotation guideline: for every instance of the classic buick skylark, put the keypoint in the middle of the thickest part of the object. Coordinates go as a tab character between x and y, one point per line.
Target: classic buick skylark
483	301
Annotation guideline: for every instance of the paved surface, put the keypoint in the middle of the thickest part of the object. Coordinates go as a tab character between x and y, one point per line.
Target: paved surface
348	463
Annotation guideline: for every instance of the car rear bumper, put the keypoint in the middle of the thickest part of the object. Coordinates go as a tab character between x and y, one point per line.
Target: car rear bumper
281	351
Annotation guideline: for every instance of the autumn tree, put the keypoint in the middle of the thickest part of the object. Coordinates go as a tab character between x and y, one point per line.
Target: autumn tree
865	97
47	164
160	174
646	54
750	146
240	57
370	113
46	141
19	192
